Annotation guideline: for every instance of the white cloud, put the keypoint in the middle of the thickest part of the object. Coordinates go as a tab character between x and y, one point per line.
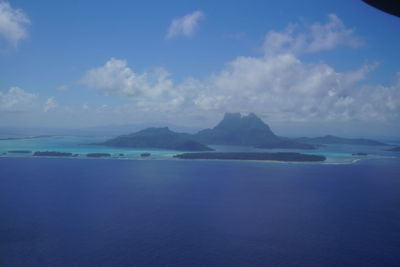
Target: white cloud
185	26
13	24
16	100
283	88
49	104
116	78
316	37
330	35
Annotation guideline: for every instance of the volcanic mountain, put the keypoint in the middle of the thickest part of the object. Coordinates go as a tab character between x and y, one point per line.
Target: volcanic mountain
249	130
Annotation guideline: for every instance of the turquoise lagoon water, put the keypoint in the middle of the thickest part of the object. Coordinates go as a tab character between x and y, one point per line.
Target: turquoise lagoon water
75	144
81	145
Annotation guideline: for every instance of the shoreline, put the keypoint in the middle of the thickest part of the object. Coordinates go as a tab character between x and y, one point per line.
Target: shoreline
171	158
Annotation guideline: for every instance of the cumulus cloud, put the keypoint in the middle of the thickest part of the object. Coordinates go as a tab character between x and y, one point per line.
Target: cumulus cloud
116	78
330	35
185	26
278	84
13	24
283	88
311	38
16	100
149	91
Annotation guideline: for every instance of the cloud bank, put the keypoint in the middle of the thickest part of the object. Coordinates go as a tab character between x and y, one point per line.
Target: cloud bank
278	84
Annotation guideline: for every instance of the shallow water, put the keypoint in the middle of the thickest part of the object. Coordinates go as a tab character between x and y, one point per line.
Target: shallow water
80	145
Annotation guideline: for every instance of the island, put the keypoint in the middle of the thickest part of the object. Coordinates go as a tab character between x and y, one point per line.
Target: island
395	149
234	129
19	152
360	154
51	154
98	155
280	156
145	155
160	138
335	140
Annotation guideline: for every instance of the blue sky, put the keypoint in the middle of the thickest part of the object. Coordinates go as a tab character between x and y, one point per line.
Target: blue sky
311	64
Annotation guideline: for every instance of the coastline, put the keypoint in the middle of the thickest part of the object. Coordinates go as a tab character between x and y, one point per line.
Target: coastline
171	158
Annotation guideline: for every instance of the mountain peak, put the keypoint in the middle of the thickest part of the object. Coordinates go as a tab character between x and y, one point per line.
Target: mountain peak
235	121
238	116
235	129
252	115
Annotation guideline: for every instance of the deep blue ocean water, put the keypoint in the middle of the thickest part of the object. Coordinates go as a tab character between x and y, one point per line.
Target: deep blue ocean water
82	212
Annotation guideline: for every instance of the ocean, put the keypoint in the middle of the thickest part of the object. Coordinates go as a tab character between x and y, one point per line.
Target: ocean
111	212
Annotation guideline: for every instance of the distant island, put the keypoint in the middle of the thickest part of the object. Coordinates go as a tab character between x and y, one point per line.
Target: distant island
52	154
161	138
395	149
335	140
233	130
98	155
360	154
19	151
280	156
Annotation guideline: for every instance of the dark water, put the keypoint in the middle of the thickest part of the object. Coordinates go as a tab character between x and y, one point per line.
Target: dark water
66	212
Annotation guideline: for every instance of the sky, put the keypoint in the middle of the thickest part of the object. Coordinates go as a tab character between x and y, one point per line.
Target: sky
305	67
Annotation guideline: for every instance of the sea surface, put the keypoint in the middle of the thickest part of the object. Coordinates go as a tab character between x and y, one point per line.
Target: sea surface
165	212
